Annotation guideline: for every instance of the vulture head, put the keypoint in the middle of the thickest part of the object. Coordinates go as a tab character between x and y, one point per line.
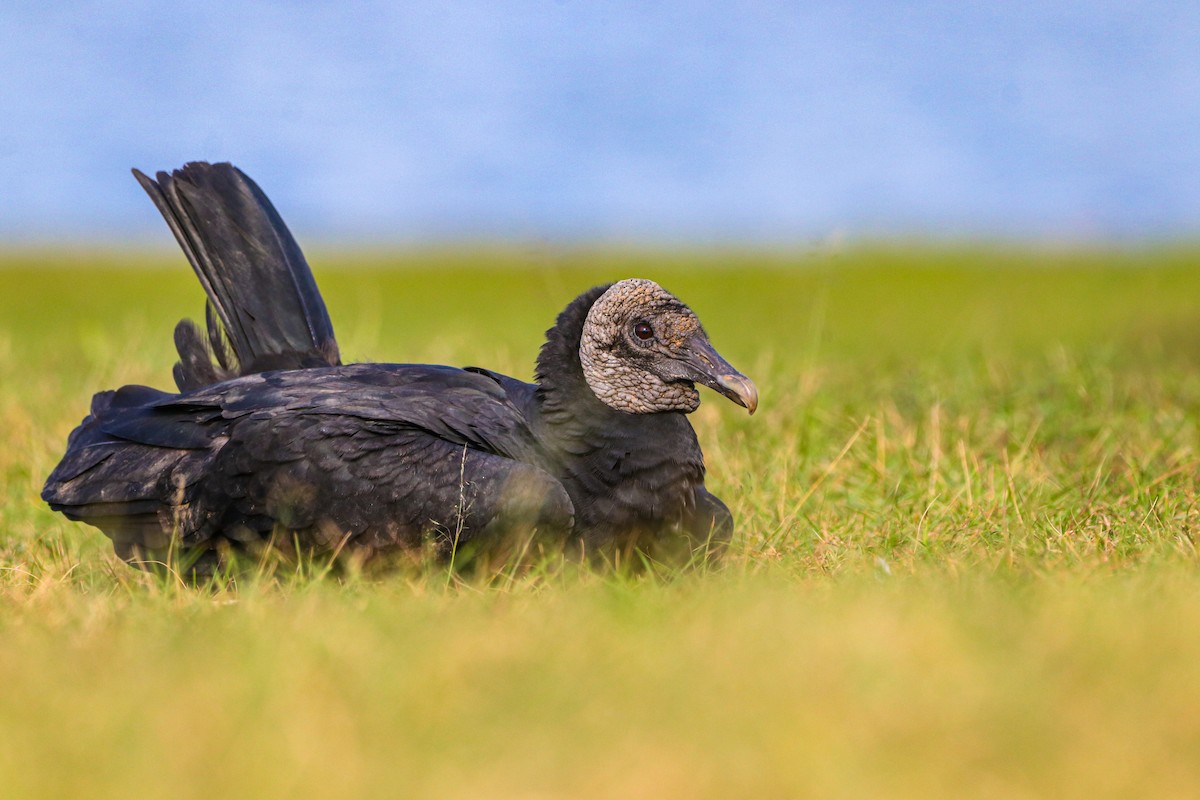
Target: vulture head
643	351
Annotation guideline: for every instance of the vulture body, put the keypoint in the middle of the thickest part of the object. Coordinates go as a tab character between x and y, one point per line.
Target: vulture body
271	440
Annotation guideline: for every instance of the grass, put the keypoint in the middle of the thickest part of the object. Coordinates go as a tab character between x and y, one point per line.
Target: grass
965	563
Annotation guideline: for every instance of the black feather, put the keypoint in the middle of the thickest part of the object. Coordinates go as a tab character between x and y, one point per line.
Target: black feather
258	283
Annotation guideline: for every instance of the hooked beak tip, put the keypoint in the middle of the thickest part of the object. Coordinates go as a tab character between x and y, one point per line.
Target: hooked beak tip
739	389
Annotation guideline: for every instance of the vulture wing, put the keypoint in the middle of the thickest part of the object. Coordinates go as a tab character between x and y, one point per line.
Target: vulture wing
377	457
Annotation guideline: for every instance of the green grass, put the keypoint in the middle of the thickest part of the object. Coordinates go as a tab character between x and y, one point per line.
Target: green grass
965	562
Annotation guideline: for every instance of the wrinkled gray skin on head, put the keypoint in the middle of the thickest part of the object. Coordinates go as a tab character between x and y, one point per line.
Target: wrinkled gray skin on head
630	374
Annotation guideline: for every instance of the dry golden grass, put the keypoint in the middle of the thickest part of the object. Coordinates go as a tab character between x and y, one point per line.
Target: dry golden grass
965	563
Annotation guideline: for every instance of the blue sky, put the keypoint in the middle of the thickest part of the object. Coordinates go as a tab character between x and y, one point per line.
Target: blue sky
697	121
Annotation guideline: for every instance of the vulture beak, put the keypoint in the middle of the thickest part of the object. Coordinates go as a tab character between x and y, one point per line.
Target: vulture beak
738	388
707	367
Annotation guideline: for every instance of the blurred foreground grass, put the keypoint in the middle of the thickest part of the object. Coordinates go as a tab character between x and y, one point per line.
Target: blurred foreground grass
965	563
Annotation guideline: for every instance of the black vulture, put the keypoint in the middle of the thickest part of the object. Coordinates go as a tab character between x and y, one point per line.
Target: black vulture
272	442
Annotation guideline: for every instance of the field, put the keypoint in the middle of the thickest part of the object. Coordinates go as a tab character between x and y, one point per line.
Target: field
965	563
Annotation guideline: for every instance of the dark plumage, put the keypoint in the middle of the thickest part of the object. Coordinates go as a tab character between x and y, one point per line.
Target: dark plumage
272	439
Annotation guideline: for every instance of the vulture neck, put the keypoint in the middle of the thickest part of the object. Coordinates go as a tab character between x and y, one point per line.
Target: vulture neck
563	392
621	470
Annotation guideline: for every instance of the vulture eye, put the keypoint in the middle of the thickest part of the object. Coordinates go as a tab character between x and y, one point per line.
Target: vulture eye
643	331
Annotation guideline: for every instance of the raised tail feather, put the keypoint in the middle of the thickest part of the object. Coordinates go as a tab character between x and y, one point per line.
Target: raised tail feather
264	308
